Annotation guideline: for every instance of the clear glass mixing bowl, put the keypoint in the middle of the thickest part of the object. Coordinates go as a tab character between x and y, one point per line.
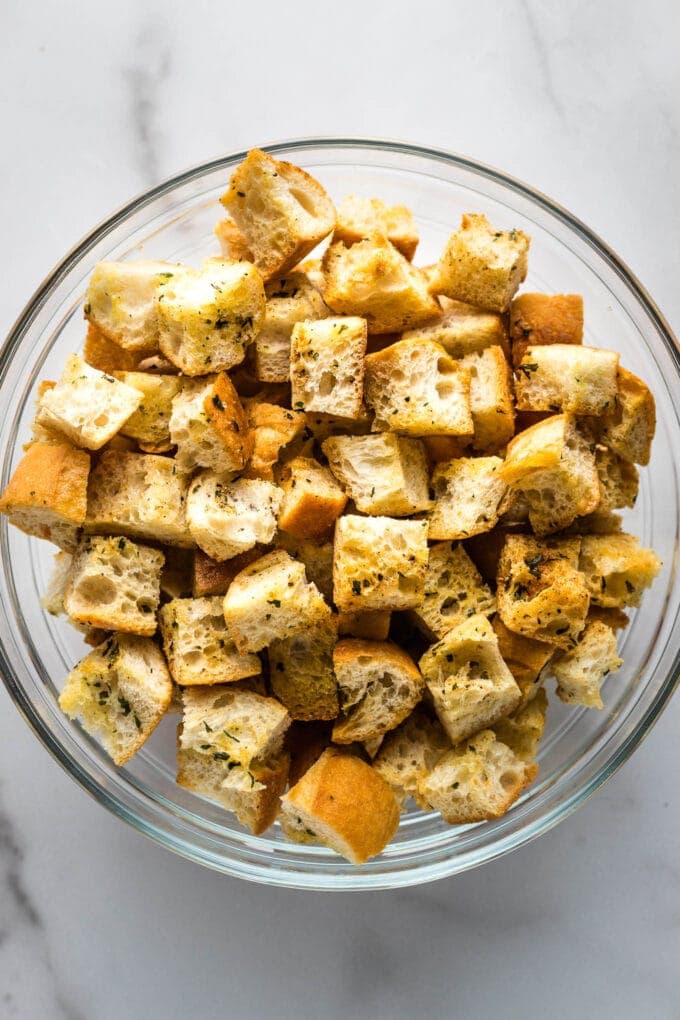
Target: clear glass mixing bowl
581	747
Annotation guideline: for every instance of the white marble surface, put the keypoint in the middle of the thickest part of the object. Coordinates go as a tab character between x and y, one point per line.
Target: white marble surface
581	100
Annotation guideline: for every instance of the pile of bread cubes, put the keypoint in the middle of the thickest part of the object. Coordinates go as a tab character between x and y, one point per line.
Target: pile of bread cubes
344	516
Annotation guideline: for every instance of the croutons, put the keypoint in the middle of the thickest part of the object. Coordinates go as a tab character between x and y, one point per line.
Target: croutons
409	753
231	723
119	692
580	670
122	302
47	493
209	430
454	590
199	646
491	398
566	377
311	501
289	301
301	671
525	658
233	244
271	429
462	329
149	426
280	210
105	355
545	319
628	428
541	592
317	558
618	480
327	366
372	279
617	569
227	518
522	731
383	473
213	577
360	218
481	265
415	388
378	563
468	497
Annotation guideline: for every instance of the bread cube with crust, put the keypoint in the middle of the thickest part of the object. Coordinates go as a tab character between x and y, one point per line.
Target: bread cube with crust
213	577
290	300
382	473
470	685
119	692
522	731
415	388
481	265
580	670
491	398
271	429
149	426
617	569
372	279
105	355
542	593
229	722
409	753
311	499
301	671
207	317
373	626
628	428
327	366
360	218
618	480
199	646
122	302
209	426
462	329
316	557
379	563
281	211
566	377
454	590
227	518
114	584
545	319
468	497
233	245
47	493
86	406
525	657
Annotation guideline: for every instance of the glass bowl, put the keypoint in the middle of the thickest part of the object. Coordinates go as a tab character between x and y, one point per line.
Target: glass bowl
581	748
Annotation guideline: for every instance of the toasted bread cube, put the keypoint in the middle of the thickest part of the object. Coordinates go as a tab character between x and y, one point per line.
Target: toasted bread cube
628	428
105	355
360	218
209	426
280	210
119	692
463	329
149	426
208	317
316	557
271	429
87	406
311	501
545	319
477	781
138	495
114	584
470	685
468	497
199	646
491	398
553	466
481	265
378	563
566	377
341	802
409	753
233	245
327	366
383	473
47	493
454	590
580	671
290	300
525	658
522	731
372	279
301	671
213	577
271	599
617	569
541	592
122	302
230	723
379	686
227	518
415	388
618	480
372	626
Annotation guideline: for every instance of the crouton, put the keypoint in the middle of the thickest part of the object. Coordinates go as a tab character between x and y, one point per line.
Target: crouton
618	480
213	577
280	210
119	692
105	355
208	317
327	366
463	329
138	495
199	646
122	302
477	781
271	429
542	319
209	426
360	218
379	686
311	501
383	473
47	493
617	569
290	300
372	626
379	563
470	685
341	802
233	246
481	265
271	600
415	388
114	584
149	426
454	590
468	497
580	671
227	518
409	752
541	592
525	658
564	377
522	731
301	671
372	279
317	558
231	723
628	428
491	398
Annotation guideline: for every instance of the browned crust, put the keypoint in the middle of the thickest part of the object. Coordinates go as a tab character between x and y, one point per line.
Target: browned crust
50	477
102	353
348	650
545	319
372	626
232	242
213	578
228	417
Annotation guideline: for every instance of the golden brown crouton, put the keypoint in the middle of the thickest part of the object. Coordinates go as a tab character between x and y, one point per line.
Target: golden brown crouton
545	319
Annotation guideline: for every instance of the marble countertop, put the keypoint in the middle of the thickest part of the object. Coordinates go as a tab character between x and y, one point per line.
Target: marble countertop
581	100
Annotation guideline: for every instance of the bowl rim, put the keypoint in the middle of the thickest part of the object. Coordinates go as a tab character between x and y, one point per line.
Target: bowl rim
615	759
